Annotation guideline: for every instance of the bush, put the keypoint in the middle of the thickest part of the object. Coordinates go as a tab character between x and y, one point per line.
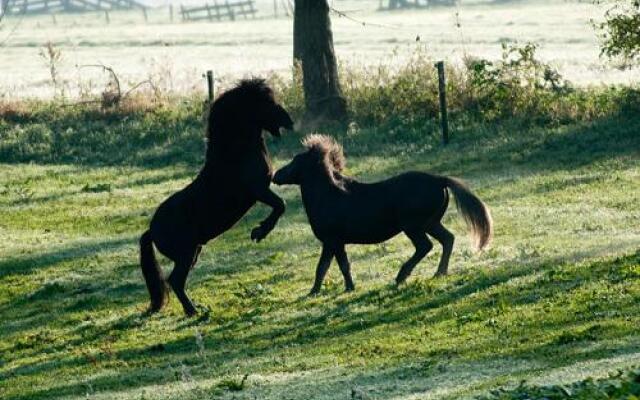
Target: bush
21	142
49	132
620	31
517	86
399	101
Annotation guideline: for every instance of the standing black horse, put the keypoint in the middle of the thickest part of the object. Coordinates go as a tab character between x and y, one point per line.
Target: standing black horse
342	210
236	174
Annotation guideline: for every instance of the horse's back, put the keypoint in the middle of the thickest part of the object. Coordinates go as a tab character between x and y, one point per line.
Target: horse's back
375	212
407	189
421	199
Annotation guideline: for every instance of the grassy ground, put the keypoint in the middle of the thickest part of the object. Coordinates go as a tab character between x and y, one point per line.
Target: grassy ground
554	300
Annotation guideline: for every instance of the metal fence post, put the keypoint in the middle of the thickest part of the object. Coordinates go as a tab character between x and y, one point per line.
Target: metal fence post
210	85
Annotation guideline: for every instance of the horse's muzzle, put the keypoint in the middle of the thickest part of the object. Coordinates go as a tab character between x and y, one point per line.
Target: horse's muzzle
277	177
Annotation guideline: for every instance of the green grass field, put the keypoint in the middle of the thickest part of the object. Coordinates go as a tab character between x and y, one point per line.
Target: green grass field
554	300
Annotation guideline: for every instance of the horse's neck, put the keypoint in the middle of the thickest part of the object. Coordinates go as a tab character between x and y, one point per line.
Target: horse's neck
319	193
229	161
235	143
235	153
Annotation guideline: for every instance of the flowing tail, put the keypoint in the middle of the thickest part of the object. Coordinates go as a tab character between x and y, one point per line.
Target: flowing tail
152	273
474	212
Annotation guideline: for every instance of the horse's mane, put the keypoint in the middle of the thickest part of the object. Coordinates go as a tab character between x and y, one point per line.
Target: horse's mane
229	117
330	152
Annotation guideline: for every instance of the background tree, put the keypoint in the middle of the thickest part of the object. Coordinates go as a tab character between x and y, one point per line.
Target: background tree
620	31
313	51
3	8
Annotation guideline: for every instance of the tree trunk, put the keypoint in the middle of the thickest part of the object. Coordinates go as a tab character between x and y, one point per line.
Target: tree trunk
313	50
3	8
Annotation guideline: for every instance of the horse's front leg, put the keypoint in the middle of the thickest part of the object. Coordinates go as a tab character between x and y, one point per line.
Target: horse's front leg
277	204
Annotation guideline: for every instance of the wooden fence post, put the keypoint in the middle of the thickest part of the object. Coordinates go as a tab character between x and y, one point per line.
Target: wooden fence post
210	85
442	88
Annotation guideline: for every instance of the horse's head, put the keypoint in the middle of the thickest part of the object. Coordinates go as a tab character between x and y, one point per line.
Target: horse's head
271	117
263	109
323	157
246	110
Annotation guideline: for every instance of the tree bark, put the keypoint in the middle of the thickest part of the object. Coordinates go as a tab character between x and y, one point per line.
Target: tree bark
313	50
4	4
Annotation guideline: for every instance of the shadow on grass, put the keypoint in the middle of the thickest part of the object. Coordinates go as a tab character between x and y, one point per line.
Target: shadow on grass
25	265
234	342
105	187
433	375
495	150
570	147
35	309
162	139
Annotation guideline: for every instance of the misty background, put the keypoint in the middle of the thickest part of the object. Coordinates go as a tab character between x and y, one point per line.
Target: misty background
176	54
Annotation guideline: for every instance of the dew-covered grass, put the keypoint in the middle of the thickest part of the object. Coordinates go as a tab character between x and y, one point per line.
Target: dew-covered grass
554	300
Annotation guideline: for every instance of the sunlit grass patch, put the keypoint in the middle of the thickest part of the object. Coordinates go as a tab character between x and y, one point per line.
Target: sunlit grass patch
554	299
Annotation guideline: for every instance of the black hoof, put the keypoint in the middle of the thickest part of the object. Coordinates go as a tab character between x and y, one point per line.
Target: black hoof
152	310
258	233
400	281
190	311
156	307
203	309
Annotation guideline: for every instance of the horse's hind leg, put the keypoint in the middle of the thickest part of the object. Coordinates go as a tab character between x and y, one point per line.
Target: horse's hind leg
423	246
345	268
446	239
178	280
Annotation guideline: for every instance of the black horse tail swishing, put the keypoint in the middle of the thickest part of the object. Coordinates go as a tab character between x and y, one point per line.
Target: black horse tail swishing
474	212
152	273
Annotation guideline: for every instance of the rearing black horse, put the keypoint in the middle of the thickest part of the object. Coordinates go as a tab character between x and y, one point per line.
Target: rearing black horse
236	174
